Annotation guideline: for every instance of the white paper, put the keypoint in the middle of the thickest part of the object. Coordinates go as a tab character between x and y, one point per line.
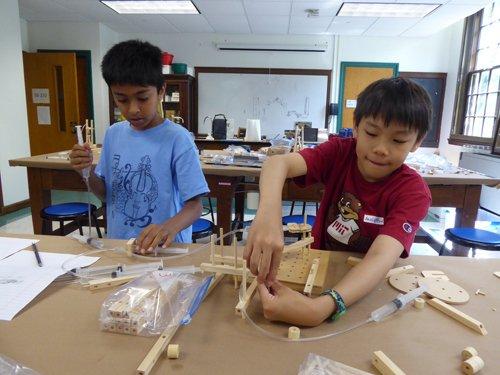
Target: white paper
21	279
9	245
43	114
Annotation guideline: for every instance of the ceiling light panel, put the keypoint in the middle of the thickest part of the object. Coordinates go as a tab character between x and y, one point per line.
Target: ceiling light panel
151	7
385	10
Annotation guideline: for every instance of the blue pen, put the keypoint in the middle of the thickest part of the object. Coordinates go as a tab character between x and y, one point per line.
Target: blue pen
37	255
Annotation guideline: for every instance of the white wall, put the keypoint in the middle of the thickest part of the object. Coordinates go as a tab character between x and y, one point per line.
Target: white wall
14	141
24	35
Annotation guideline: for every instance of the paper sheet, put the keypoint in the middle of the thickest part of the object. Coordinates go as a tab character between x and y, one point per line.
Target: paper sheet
21	279
9	245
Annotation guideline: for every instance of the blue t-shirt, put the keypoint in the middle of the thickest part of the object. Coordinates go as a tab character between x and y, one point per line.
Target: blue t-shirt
149	175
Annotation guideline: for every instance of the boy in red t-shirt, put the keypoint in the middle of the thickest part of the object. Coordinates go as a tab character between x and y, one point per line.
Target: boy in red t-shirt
372	203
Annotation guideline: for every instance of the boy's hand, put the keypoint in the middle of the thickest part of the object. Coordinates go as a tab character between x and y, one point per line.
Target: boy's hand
283	304
153	236
264	247
81	157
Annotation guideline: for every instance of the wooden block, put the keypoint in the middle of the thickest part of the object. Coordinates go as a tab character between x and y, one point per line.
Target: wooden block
419	303
243	304
400	270
173	351
110	281
384	364
469	352
312	276
472	365
352	261
497	274
130	247
294	333
435	273
458	315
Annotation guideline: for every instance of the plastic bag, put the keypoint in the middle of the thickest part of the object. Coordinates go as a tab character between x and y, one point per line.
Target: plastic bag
317	365
150	304
10	367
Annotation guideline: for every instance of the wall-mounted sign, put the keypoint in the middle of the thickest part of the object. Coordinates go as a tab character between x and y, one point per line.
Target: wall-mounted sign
351	103
43	114
40	96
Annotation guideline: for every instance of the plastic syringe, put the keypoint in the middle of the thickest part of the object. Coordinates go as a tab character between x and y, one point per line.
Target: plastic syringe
79	134
396	304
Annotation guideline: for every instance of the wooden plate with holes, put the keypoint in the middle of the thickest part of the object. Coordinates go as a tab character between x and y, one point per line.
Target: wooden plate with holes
404	282
445	290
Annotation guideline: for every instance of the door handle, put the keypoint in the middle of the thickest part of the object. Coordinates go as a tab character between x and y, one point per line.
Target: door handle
73	125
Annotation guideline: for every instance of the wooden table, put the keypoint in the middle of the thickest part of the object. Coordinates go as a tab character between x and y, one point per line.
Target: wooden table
58	333
448	190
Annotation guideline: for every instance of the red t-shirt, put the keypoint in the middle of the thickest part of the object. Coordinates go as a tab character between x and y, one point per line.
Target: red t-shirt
354	211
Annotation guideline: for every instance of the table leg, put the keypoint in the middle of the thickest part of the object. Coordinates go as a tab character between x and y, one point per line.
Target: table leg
466	215
39	198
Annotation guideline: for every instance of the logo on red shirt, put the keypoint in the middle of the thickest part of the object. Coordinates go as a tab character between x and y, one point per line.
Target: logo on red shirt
407	227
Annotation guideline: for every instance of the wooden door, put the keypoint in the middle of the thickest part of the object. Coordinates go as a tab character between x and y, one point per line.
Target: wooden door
354	78
52	100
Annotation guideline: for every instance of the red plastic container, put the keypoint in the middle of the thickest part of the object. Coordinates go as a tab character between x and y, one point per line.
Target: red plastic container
167	58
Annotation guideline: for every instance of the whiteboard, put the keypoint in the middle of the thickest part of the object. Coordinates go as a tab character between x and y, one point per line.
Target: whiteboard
278	100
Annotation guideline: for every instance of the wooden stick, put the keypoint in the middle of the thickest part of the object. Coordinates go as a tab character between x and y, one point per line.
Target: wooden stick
299	244
243	304
222	268
311	277
221	242
384	364
458	315
212	248
110	281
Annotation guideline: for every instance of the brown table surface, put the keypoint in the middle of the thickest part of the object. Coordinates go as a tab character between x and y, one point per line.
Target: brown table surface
58	332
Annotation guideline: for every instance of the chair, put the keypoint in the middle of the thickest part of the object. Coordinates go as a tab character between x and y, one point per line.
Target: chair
74	211
473	238
202	228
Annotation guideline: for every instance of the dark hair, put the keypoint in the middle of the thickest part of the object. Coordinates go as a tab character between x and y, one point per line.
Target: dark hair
133	62
396	100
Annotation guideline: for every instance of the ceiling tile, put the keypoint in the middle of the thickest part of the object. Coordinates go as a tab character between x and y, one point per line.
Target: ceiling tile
393	26
350	25
151	23
326	9
219	7
190	23
269	24
309	25
267	8
229	25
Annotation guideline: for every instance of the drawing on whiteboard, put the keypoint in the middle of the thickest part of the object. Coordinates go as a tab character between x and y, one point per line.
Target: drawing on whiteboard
259	111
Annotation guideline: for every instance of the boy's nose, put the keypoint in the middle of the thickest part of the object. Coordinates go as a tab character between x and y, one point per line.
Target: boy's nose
380	149
134	107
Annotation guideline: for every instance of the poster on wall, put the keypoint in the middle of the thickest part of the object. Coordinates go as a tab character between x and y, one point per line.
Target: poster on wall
40	96
43	114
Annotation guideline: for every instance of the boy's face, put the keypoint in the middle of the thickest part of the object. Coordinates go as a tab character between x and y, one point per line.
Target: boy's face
381	149
138	104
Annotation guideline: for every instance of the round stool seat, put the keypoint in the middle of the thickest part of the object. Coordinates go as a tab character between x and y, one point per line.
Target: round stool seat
298	219
202	225
476	238
67	210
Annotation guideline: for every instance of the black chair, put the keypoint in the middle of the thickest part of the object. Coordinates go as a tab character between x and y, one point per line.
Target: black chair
202	228
473	238
74	211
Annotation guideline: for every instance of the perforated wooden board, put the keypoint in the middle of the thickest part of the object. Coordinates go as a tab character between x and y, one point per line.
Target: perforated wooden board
295	266
444	290
404	282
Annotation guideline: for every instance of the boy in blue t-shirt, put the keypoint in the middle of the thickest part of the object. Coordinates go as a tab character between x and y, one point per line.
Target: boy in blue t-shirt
149	173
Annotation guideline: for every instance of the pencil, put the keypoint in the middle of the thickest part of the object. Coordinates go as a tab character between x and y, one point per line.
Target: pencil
37	255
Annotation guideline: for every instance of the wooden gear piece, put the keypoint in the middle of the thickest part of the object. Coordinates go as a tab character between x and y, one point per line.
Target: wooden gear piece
385	365
469	352
435	273
444	290
472	365
458	315
404	282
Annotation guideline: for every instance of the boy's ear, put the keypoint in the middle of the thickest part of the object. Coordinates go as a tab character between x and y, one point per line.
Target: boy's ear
355	131
161	92
417	145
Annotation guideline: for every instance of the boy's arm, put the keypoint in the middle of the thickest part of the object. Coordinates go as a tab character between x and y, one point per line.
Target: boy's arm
265	239
295	308
156	234
81	158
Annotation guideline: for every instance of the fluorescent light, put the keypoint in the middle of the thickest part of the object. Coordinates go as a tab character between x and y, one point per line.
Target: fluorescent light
151	7
316	47
385	10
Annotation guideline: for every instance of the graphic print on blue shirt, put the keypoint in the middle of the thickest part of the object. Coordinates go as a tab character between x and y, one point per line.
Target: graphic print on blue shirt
134	192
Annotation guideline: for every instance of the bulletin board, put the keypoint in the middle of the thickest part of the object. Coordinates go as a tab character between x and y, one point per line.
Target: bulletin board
278	97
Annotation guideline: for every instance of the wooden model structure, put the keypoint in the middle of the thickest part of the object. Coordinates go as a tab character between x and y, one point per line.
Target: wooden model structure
89	133
303	229
299	138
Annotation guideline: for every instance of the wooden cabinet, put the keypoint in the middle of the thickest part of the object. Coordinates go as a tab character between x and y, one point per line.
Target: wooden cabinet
177	104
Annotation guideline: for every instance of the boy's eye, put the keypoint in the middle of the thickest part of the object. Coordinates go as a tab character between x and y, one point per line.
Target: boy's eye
121	100
370	134
143	99
401	141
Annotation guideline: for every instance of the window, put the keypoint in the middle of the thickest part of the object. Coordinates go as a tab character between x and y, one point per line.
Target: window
477	102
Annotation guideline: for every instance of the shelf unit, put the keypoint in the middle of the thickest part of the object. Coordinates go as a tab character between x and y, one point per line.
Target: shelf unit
183	108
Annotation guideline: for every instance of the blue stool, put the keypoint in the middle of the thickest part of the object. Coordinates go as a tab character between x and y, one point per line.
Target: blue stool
473	238
202	228
75	211
299	219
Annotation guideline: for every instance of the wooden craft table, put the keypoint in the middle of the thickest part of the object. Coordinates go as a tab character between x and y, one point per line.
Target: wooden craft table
448	190
58	332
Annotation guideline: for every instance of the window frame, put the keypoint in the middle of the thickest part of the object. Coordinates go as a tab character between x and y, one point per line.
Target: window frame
469	51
